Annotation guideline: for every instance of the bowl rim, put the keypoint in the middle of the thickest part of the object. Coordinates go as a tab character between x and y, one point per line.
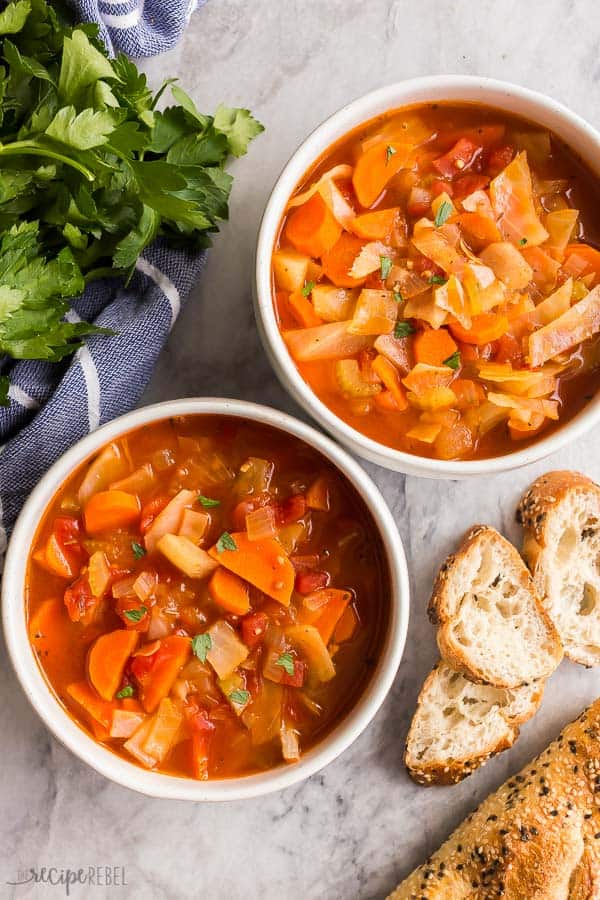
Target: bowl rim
451	88
156	784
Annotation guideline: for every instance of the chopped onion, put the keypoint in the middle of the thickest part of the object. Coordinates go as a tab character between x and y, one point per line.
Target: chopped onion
109	466
99	573
342	171
290	746
139	482
260	523
163	460
160	625
125	723
169	519
123	587
144	585
226	651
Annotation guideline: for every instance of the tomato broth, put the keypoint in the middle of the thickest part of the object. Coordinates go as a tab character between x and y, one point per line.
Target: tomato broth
437	281
207	597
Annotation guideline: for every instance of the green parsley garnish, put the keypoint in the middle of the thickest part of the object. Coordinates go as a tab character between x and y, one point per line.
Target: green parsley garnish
437	279
389	152
201	644
444	212
403	329
454	360
286	661
208	502
138	550
135	615
92	172
307	289
226	542
125	692
397	296
523	241
386	265
239	697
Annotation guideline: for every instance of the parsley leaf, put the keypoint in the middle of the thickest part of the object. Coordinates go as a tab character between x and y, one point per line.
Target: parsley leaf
307	289
208	502
135	615
523	241
397	296
403	329
201	644
127	691
286	661
453	361
389	152
138	550
386	265
91	172
444	212
437	279
239	697
226	542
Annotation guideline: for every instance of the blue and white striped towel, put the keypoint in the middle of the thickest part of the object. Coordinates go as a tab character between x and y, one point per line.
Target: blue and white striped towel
54	405
137	27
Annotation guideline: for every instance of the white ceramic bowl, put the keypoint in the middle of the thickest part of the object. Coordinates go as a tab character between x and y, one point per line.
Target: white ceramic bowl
577	133
117	768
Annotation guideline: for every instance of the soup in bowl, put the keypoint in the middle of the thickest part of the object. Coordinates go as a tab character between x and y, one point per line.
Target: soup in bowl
435	283
208	597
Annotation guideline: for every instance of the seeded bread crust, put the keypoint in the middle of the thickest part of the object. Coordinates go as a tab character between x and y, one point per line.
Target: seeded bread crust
538	836
501	723
439	613
552	504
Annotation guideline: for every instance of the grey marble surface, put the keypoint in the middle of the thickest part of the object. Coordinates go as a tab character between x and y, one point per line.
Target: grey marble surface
354	829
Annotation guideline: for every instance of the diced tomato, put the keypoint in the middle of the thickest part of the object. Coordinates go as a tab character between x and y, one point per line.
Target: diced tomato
141	666
468	184
307	582
499	159
508	349
80	602
150	512
441	187
424	264
291	509
418	208
458	158
200	745
253	628
305	563
375	282
238	516
297	679
197	716
68	531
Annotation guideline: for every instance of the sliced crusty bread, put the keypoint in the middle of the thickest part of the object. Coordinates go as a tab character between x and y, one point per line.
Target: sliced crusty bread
538	836
561	516
458	725
493	627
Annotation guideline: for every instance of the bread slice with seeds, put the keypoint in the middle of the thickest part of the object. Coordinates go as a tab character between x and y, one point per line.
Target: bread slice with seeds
458	725
492	625
538	836
561	516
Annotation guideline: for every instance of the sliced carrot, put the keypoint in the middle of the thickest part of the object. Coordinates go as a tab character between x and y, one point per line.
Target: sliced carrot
346	627
375	167
326	616
433	346
111	509
338	261
54	558
484	328
107	659
85	696
172	655
478	228
312	228
303	310
587	260
317	495
375	226
468	393
131	704
385	401
390	376
263	563
229	591
46	627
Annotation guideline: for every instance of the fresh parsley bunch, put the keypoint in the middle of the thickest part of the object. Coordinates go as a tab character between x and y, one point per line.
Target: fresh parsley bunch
91	172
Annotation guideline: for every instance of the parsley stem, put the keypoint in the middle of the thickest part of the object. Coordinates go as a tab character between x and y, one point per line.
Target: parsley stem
31	148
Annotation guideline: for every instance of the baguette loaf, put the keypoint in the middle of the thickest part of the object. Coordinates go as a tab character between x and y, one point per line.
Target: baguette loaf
561	516
536	838
458	725
493	627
